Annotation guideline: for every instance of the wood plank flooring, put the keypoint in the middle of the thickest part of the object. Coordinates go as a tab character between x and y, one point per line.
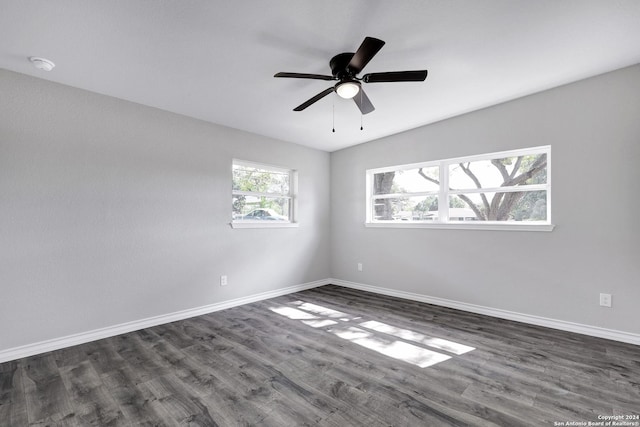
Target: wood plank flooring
329	356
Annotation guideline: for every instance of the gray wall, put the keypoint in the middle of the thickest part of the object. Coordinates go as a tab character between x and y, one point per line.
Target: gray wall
113	212
593	127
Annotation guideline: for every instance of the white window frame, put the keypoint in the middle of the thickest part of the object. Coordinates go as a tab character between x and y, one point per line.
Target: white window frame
443	194
291	196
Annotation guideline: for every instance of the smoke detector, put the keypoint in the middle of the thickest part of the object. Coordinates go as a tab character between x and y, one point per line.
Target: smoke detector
42	63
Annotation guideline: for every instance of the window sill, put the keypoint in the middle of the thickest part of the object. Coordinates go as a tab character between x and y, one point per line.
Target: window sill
464	226
260	224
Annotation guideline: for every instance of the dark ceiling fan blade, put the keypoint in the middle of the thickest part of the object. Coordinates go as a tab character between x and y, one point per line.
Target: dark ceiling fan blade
363	102
314	99
396	76
367	50
305	76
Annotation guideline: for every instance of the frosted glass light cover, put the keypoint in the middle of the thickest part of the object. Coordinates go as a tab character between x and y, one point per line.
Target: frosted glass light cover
348	90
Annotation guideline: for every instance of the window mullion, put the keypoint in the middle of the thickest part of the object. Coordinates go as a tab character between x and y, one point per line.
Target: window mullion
512	189
405	195
258	194
443	197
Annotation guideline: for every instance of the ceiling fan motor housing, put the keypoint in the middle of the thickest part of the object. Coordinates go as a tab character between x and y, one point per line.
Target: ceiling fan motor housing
339	65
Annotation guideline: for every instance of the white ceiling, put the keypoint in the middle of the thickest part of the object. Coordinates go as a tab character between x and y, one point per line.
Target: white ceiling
215	59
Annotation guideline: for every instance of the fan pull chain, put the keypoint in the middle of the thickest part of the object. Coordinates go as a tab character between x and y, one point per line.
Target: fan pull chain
333	116
361	110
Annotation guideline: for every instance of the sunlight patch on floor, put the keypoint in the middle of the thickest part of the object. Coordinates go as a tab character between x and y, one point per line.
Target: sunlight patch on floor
293	313
406	334
319	323
323	311
396	349
374	335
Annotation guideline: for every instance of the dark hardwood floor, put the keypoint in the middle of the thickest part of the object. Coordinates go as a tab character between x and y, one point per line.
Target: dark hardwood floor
329	356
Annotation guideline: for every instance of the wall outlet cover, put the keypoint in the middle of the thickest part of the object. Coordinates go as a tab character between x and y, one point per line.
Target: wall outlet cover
605	300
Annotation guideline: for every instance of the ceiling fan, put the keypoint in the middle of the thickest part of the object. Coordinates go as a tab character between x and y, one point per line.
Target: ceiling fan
346	66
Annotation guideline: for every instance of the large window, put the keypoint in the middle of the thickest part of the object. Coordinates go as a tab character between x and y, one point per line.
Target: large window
506	190
263	195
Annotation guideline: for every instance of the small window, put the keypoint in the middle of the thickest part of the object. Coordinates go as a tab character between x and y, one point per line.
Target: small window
498	190
262	195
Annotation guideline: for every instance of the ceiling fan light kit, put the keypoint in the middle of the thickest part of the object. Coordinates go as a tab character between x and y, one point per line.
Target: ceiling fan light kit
347	89
346	66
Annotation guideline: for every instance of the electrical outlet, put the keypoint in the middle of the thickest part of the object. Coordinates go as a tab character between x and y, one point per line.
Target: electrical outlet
605	300
223	281
359	266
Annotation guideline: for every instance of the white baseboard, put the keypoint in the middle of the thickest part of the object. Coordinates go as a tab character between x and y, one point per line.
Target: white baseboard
594	331
110	331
